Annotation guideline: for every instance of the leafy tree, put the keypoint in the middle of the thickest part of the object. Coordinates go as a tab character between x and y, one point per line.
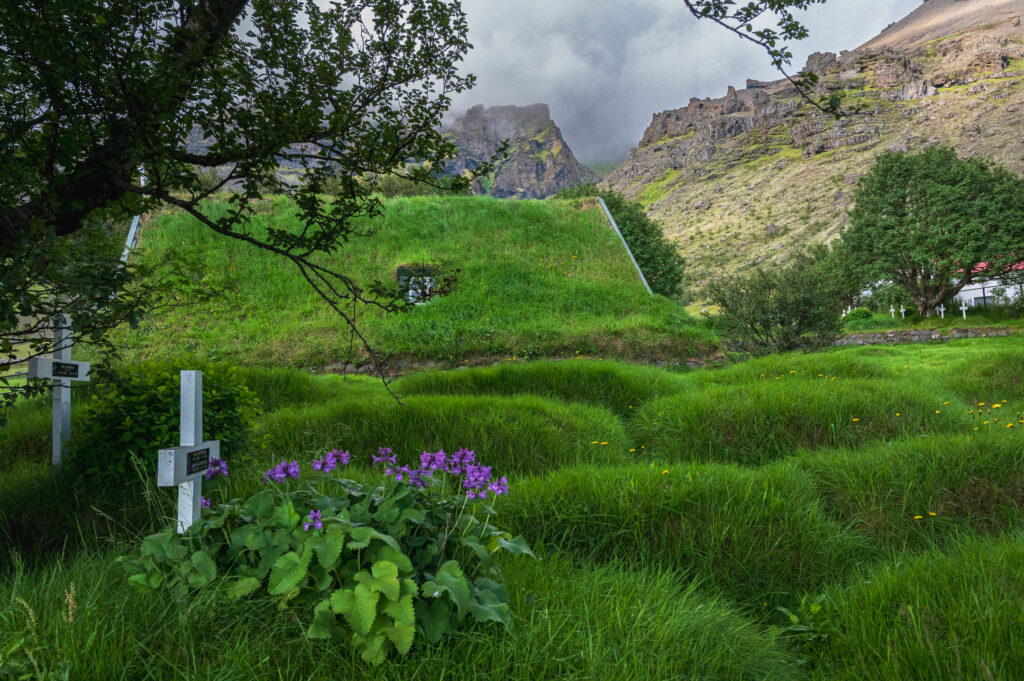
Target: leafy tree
93	90
794	307
934	223
657	257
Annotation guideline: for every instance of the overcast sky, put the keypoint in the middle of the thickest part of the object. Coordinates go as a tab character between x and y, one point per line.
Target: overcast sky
605	66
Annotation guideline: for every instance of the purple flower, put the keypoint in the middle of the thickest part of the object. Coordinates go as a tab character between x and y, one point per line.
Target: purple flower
460	458
204	502
331	460
314	521
499	487
433	461
282	471
385	456
217	467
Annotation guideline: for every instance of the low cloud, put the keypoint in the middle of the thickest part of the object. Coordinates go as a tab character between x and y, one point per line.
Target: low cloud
605	66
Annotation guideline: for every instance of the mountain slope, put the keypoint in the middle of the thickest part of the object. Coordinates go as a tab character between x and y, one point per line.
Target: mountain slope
540	163
747	178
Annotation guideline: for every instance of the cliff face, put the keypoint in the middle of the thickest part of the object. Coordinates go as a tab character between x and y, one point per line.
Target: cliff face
747	178
539	164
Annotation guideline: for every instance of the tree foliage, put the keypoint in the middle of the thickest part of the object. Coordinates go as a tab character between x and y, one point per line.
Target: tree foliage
794	307
934	223
93	91
657	257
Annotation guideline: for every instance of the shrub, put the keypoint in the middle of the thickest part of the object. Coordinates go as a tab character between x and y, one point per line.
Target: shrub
858	313
794	307
138	412
887	295
657	256
384	559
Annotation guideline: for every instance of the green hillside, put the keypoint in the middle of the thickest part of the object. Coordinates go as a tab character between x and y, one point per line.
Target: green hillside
534	279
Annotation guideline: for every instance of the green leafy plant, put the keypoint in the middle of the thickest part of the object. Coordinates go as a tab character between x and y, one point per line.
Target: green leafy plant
136	412
358	563
859	313
810	626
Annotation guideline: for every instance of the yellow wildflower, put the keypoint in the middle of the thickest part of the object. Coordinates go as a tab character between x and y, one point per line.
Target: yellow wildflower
917	517
665	472
855	420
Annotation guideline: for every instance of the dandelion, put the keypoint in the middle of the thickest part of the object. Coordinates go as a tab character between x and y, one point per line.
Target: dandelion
664	472
937	411
945	402
917	517
603	443
931	514
981	404
897	413
996	406
986	423
594	442
855	420
632	450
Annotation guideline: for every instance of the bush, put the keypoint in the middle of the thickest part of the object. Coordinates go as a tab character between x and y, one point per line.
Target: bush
138	412
384	559
887	295
794	307
858	313
657	256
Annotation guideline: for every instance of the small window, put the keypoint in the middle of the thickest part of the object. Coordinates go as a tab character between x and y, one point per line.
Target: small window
984	300
417	281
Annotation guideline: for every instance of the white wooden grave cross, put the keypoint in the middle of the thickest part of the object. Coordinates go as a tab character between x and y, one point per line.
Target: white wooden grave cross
963	308
903	313
186	464
942	310
892	311
62	371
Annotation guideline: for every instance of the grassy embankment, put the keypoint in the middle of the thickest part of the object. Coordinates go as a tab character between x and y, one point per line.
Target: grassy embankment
535	278
672	513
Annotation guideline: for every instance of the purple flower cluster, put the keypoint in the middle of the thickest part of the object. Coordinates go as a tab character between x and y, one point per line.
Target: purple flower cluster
282	471
477	482
315	521
217	467
331	460
412	476
204	502
385	456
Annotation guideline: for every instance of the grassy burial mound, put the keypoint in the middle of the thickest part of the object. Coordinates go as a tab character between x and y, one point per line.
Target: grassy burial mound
673	515
533	279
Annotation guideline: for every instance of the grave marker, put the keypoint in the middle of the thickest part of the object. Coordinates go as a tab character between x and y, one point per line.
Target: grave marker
903	313
963	308
892	311
941	309
61	370
186	464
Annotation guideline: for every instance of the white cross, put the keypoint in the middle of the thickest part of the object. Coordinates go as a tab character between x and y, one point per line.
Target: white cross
963	308
844	314
903	313
892	311
185	465
942	310
59	368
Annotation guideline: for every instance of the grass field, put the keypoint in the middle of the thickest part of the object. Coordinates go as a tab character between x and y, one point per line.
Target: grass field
535	278
867	491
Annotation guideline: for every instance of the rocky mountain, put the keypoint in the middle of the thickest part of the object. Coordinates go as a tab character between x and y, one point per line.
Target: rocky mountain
539	164
746	178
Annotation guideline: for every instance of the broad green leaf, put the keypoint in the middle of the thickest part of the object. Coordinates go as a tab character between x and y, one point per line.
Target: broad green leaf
323	620
402	635
288	572
517	546
383	578
342	601
204	566
487	608
329	545
451	579
242	587
401	610
433	618
285	515
397	557
363	535
372	648
364	610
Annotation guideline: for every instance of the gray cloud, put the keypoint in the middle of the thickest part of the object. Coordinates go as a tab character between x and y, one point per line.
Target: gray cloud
605	66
